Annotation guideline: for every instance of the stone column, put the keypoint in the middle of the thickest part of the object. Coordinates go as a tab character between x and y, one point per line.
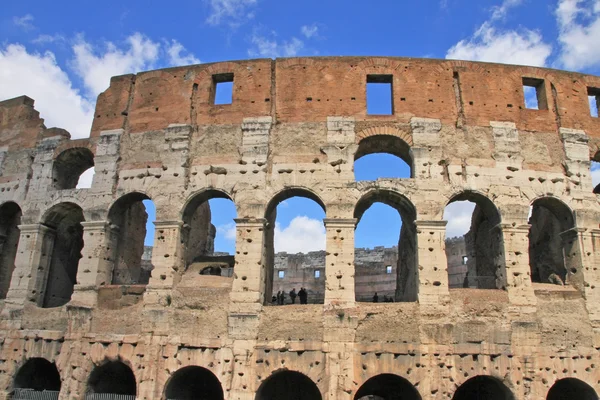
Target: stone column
432	271
32	264
339	261
590	244
573	255
167	259
518	271
96	266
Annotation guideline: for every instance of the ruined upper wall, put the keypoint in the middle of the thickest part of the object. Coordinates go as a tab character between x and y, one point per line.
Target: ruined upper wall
310	89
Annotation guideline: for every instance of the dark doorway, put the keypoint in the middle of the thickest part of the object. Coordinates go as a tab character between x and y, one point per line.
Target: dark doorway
194	383
288	385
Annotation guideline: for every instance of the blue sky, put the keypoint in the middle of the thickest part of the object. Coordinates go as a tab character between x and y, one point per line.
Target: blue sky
63	54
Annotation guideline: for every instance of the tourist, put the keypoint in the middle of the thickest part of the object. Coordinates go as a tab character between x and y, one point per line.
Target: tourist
293	295
375	298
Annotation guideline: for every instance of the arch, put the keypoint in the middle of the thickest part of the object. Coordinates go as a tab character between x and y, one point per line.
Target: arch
290	192
128	218
571	388
288	385
193	382
69	165
198	198
10	219
553	242
406	286
112	377
483	387
385	143
476	259
38	375
64	240
388	387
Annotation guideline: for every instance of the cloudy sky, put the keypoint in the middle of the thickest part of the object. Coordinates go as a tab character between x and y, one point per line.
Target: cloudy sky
63	55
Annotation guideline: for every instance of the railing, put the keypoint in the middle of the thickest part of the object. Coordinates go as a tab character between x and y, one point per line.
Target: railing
30	394
108	396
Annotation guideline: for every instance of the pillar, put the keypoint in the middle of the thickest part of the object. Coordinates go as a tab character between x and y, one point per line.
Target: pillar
97	263
432	271
339	261
518	271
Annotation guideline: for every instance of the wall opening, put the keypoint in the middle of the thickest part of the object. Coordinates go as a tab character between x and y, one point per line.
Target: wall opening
294	248
70	165
382	156
132	236
387	386
595	172
222	89
483	388
594	100
114	378
10	219
209	233
190	383
474	243
534	93
63	243
380	95
571	388
372	282
86	178
551	236
288	385
36	375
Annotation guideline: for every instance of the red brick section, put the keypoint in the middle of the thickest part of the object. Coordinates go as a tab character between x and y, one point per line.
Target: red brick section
310	89
20	124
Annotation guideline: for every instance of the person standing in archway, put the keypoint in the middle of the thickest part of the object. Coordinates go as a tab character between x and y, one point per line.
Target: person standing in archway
293	295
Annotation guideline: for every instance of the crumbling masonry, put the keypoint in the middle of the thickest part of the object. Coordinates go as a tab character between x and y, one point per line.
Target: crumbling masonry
79	319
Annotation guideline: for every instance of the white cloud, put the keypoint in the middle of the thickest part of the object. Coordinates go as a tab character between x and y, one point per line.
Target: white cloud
488	44
271	48
458	214
232	11
579	33
499	12
96	68
25	22
310	30
46	39
41	78
85	179
227	230
178	55
302	235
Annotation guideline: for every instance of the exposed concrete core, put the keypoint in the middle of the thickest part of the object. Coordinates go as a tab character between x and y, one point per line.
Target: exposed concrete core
388	387
288	385
37	374
10	218
112	377
570	389
67	241
483	388
69	166
191	383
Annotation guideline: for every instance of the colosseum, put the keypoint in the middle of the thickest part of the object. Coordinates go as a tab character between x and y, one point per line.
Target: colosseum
84	315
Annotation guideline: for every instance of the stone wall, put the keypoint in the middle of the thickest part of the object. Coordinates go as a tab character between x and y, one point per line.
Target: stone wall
295	128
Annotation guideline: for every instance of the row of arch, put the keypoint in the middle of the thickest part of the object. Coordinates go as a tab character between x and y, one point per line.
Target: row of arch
548	244
194	382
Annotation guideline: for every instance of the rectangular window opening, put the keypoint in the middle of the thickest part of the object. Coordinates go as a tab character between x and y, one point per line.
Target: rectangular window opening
388	269
223	89
380	95
594	101
534	93
317	273
465	259
281	274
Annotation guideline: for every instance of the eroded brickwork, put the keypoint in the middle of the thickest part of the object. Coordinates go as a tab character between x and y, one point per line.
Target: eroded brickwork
295	127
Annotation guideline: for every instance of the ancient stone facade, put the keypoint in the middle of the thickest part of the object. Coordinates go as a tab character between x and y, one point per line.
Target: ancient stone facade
76	320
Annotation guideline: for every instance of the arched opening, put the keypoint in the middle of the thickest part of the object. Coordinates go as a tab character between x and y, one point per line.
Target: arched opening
483	388
382	156
10	218
595	172
403	264
209	234
86	178
570	389
190	383
70	165
551	237
474	243
387	387
295	249
114	378
288	385
132	237
64	241
37	375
